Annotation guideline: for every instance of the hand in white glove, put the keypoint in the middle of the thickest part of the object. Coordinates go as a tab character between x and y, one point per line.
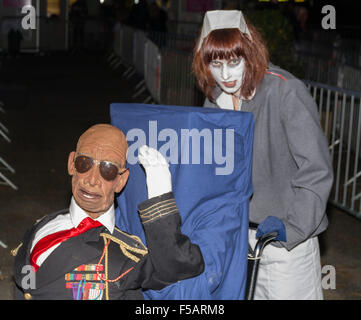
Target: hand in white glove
158	177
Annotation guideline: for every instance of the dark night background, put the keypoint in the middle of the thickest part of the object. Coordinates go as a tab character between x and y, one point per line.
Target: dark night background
51	96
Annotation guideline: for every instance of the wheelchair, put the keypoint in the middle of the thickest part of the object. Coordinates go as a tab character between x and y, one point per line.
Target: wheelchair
254	257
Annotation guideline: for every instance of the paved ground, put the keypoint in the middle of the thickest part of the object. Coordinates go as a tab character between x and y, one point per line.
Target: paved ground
51	100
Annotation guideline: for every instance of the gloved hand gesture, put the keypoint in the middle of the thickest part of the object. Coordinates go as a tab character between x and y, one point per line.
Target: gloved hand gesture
272	224
158	177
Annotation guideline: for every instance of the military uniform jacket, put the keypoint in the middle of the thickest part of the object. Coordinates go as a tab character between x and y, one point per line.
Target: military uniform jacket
98	265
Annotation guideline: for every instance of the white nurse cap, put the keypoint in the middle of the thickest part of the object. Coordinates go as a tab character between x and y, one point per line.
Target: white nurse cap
222	19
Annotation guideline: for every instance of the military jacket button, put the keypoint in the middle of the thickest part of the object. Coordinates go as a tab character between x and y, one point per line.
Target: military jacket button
27	296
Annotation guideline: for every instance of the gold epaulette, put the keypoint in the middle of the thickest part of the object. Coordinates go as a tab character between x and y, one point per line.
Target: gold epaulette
38	220
128	243
14	252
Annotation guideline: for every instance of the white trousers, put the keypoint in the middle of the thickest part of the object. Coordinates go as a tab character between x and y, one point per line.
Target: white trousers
289	275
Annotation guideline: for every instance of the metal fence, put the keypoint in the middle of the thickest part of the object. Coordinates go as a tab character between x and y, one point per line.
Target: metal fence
4	180
180	86
169	80
157	57
330	71
340	115
152	67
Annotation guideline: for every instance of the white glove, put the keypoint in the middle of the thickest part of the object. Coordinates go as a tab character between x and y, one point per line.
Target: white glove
158	177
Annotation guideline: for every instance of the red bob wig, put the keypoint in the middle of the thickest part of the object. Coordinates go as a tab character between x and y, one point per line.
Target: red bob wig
226	44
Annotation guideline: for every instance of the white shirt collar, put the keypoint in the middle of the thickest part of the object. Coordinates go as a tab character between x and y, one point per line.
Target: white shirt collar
77	215
224	101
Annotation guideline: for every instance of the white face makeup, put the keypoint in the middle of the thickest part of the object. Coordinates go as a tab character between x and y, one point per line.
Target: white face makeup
228	73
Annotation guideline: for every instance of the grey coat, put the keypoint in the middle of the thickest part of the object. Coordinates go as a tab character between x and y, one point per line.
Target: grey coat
292	169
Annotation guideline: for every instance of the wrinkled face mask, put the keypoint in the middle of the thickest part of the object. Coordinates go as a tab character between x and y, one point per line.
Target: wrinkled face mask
228	73
97	168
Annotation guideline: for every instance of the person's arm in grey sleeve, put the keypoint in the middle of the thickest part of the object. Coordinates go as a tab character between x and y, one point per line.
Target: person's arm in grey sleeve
313	180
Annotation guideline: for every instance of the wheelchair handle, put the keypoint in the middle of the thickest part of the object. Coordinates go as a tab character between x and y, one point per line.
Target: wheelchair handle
255	254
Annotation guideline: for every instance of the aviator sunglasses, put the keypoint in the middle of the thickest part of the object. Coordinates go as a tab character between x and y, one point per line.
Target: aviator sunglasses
108	170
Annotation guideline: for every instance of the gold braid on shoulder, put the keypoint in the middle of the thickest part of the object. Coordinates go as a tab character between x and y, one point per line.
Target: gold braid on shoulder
126	249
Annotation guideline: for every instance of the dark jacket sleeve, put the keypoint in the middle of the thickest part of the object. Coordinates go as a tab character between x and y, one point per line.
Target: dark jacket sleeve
171	255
